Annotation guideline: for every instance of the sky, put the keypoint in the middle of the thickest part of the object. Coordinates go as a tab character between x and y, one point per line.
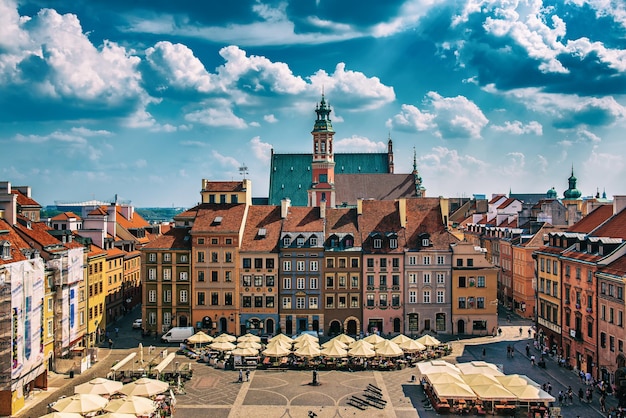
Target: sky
143	99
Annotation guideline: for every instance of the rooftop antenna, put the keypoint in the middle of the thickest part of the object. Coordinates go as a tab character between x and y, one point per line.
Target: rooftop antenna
243	170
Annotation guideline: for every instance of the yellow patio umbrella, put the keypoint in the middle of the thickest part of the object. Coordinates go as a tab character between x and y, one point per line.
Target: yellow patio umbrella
144	387
344	338
479	379
388	348
222	345
117	415
283	343
373	339
443	378
493	392
401	338
361	350
99	386
249	344
276	350
282	338
225	338
511	380
334	342
132	405
412	346
199	337
530	393
437	366
245	351
303	342
428	341
81	403
305	337
334	351
62	415
308	350
454	391
249	337
479	367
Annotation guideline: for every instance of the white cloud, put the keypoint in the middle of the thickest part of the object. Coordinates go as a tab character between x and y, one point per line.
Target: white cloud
445	161
270	119
411	118
542	163
518	128
226	161
359	143
217	113
586	136
514	165
179	67
261	150
141	163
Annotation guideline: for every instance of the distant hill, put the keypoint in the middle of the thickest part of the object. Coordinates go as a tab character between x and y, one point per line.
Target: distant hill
158	215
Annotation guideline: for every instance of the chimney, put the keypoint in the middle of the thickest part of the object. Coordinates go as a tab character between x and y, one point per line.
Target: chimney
619	203
402	212
359	206
8	203
323	210
284	207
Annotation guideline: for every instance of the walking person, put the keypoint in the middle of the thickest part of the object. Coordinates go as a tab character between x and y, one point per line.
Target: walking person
110	343
484	353
117	332
240	377
581	395
532	360
520	331
247	375
527	350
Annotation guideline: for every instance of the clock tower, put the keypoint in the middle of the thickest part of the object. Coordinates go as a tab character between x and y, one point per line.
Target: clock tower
322	191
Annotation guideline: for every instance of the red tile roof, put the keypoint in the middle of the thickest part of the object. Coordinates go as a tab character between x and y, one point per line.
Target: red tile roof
592	220
231	218
174	239
16	241
24	200
65	216
496	198
265	218
616	268
303	219
224	186
115	252
382	217
507	203
343	220
615	227
98	211
38	233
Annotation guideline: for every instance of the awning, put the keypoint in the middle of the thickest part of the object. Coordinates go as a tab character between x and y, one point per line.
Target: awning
163	364
123	362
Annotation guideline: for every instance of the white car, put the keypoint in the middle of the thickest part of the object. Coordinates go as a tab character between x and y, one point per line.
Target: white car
137	324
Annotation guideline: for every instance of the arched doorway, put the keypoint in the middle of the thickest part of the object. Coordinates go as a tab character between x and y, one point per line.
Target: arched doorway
316	325
207	323
460	327
269	326
289	326
183	321
352	327
396	324
223	324
335	328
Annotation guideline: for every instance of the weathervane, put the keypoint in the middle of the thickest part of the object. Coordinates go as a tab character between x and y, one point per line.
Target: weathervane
243	170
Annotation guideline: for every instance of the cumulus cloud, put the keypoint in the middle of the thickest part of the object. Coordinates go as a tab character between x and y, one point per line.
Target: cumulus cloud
261	150
270	119
447	117
359	143
518	128
225	161
444	161
72	143
217	113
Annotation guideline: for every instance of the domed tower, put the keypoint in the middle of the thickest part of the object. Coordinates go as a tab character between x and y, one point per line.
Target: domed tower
322	191
551	194
572	192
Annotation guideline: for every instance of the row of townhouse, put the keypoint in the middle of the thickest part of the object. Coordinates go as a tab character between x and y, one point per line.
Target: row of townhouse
61	284
382	266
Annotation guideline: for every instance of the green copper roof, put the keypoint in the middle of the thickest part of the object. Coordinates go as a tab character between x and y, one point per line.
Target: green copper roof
290	174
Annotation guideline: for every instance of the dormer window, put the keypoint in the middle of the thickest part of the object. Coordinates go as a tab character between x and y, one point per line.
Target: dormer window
5	250
287	241
313	241
349	242
300	241
393	243
378	243
425	242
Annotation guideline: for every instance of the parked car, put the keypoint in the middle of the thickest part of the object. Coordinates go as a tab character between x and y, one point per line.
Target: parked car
137	323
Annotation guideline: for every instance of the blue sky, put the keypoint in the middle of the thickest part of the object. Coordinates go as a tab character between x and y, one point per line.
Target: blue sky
145	98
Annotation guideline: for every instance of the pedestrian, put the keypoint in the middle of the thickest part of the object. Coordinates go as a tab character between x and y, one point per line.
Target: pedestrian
508	351
581	395
560	397
484	353
110	343
549	388
117	332
500	331
532	360
589	395
520	331
603	403
240	376
529	333
247	375
527	350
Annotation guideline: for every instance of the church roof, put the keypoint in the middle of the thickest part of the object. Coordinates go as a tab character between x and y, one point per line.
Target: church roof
351	187
290	174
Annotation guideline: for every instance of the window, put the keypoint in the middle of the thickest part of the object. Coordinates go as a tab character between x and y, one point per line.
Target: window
228	276
426	278
330	301
354	282
426	260
342	302
200	256
459	262
480	281
395	280
269	301
201	298
378	243
354	263
167	318
247	281
228	257
440	296
300	265
258	301
354	301
412	296
228	299
383	281
313	241
269	263
313	283
395	300
214	276
300	241
330	263
152	296
370	263
382	299
578	273
330	282
314	265
342	263
287	265
286	283
370	300
383	263
425	242
258	280
215	298
555	268
370	280
151	274
462	282
167	296
214	241
542	262
183	275
589	276
620	318
287	243
441	259
152	318
412	278
300	283
620	293
412	260
313	304
461	303
426	296
342	281
247	301
269	281
393	243
183	296
590	329
441	278
612	343
480	302
258	263
247	263
152	257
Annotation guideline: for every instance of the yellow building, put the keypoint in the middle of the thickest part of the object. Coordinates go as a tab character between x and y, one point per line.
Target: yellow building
474	291
48	317
96	295
114	272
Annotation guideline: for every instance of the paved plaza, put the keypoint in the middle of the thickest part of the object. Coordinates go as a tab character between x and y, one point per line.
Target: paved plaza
273	393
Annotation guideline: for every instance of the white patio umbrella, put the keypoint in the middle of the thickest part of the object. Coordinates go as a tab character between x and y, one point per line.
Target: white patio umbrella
305	337
428	341
200	337
334	342
443	378
80	403
308	350
225	337
99	386
276	350
303	342
245	351
493	392
401	338
222	345
281	337
249	344
454	391
530	393
373	339
282	343
511	380
479	367
132	405
344	338
437	366
62	415
412	346
249	337
334	351
361	350
479	379
388	348
144	387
